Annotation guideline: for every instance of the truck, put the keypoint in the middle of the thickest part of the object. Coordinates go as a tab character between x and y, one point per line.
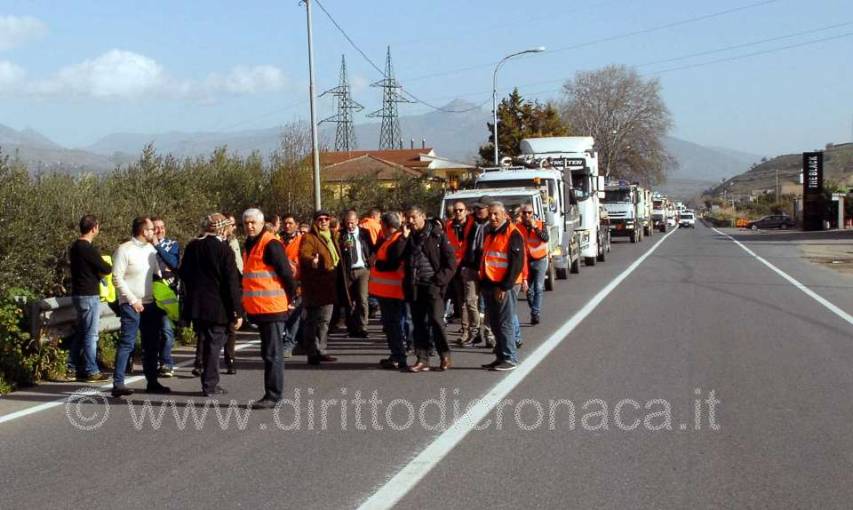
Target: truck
511	198
660	212
577	161
622	201
559	214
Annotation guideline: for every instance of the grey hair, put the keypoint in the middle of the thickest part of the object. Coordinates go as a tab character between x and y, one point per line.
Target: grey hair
391	219
497	203
254	214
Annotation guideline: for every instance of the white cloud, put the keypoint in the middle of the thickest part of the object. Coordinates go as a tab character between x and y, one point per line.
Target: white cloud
115	74
11	76
247	80
18	30
125	75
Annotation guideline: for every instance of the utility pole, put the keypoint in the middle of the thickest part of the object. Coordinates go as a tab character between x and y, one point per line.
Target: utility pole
777	190
315	149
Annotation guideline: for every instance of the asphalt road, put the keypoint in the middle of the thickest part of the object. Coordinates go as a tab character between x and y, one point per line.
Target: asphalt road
699	323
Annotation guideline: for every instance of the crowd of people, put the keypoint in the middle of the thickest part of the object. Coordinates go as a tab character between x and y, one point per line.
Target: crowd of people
296	283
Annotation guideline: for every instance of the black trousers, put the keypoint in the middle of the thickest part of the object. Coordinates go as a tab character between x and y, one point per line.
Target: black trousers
230	350
271	353
211	337
428	317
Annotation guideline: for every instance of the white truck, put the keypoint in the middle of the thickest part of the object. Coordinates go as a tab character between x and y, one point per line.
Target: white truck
644	209
622	201
576	160
511	198
660	212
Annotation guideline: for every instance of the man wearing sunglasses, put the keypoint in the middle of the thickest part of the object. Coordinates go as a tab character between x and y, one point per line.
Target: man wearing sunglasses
536	242
324	285
463	286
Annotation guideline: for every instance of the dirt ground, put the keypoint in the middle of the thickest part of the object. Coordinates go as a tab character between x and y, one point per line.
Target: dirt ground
837	255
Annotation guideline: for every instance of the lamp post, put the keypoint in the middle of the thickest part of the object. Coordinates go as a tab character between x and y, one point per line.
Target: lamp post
540	49
315	150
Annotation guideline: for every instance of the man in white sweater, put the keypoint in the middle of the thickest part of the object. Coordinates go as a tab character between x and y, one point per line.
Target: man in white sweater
134	267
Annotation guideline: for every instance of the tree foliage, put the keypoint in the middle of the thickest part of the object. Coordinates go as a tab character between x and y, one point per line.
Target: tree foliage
627	117
517	119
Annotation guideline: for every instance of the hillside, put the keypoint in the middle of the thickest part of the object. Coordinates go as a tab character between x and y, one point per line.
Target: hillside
837	166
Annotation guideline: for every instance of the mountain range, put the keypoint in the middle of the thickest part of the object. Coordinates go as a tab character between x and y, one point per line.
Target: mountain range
453	135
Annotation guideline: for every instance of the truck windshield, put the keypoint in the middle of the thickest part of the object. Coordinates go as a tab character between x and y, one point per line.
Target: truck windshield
581	182
617	195
658	204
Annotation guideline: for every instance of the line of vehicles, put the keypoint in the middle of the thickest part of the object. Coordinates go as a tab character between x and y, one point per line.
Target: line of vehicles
582	210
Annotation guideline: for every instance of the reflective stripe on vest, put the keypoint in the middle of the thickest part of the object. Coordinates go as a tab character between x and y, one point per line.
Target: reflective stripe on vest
386	284
536	248
262	290
459	245
496	255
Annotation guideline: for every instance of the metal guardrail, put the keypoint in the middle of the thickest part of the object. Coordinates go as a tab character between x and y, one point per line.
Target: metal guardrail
57	317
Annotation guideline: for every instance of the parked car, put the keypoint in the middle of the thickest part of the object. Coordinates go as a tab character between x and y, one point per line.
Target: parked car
782	221
687	220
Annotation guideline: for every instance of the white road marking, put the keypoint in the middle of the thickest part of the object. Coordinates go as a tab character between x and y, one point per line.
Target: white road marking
130	380
408	477
809	292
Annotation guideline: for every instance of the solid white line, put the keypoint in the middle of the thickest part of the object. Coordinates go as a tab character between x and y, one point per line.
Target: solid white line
130	380
408	477
809	292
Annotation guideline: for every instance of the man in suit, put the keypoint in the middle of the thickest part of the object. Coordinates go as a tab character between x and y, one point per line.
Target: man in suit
212	294
356	251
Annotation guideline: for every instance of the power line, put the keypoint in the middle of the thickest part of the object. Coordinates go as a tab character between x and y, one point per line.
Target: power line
378	69
609	38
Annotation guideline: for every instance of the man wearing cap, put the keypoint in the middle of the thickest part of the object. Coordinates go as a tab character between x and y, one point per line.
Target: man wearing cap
212	295
268	291
325	284
536	242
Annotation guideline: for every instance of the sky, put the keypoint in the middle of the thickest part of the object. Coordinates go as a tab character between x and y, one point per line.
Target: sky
762	76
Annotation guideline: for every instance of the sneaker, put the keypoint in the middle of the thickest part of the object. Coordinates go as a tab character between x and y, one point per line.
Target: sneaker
219	390
97	377
504	366
389	364
519	344
534	320
264	403
493	364
197	372
68	377
166	372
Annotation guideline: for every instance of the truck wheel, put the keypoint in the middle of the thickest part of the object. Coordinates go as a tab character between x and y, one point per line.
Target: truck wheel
633	236
550	277
589	261
602	254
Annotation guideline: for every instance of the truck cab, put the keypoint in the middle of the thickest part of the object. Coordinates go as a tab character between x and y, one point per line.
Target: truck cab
622	201
575	158
660	212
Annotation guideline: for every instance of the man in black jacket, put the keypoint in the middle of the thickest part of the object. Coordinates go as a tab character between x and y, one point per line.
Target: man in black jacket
471	260
213	294
430	265
356	249
500	277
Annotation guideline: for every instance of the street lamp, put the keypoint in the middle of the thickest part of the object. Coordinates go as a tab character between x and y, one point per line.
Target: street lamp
312	94
540	49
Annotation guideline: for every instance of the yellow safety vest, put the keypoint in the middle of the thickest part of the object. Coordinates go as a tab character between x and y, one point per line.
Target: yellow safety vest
166	300
106	289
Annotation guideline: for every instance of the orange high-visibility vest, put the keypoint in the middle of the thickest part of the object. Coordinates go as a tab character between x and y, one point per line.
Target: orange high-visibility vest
386	284
262	290
459	245
373	227
496	255
291	250
536	248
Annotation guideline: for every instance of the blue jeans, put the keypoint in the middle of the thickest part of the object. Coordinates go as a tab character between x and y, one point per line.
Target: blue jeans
394	324
148	324
536	284
502	320
292	327
168	333
84	344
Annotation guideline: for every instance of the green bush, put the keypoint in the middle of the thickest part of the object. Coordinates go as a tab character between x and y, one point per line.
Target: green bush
24	360
185	336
